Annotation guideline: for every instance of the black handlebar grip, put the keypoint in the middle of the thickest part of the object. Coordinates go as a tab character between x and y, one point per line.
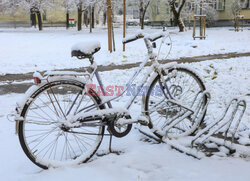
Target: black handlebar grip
155	38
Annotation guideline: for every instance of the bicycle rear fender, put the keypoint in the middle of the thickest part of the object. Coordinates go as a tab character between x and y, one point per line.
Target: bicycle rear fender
27	96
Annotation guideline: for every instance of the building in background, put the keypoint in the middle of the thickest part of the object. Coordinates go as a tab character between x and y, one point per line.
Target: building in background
160	14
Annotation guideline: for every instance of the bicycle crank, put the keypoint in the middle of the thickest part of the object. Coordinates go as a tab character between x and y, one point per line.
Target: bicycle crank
120	130
121	127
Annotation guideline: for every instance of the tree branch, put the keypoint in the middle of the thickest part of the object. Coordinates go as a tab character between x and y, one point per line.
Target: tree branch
182	5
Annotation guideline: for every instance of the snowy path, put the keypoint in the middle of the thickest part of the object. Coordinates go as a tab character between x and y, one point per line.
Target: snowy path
103	68
141	160
19	83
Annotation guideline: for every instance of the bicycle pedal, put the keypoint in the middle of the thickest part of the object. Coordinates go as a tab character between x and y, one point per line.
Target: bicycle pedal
143	122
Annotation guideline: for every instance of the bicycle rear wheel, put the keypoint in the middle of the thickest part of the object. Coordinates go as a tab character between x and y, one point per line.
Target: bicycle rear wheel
184	86
43	138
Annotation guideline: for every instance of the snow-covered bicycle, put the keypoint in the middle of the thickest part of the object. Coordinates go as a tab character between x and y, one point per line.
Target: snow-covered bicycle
62	119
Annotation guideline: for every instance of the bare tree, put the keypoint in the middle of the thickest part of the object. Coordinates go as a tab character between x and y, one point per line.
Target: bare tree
176	9
102	7
236	8
67	6
36	8
211	15
9	6
143	6
208	8
79	15
187	13
90	4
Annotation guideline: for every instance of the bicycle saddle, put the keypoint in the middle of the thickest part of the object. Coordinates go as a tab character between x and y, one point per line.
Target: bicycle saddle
85	49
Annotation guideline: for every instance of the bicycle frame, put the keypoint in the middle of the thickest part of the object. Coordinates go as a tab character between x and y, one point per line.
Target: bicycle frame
155	67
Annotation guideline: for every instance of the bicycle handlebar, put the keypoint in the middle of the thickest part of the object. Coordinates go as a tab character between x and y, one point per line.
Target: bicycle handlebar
155	37
140	35
147	39
133	38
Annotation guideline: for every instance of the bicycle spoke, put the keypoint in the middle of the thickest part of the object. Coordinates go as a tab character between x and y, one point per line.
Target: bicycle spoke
44	135
183	86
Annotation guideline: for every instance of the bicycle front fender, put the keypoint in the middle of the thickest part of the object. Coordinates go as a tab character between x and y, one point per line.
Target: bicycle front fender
152	77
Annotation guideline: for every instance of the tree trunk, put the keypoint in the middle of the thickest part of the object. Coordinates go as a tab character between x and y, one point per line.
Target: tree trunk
39	19
177	20
104	18
143	9
67	20
93	17
85	14
79	16
142	22
181	25
32	17
97	18
141	17
90	18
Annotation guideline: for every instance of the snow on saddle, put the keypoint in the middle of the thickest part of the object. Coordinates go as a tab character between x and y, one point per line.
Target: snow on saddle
85	49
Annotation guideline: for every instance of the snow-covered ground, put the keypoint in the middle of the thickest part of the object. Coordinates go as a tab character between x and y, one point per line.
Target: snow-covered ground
140	160
27	50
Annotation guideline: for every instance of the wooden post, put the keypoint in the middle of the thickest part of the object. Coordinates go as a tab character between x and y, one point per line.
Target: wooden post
203	27
242	23
239	19
202	19
109	25
113	34
124	22
237	24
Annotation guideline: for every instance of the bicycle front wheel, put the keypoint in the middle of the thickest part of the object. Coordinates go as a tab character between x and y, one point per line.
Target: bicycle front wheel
184	86
43	138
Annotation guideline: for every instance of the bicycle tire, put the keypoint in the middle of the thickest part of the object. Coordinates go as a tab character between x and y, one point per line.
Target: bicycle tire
45	164
152	124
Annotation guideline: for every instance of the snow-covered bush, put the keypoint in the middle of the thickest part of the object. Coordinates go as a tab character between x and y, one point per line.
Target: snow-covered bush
211	15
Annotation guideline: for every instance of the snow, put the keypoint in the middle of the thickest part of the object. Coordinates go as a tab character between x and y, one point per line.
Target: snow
87	47
139	160
117	110
137	35
50	49
154	36
38	75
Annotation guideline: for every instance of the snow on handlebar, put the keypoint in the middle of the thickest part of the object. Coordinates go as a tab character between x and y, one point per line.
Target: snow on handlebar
155	36
140	35
134	37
